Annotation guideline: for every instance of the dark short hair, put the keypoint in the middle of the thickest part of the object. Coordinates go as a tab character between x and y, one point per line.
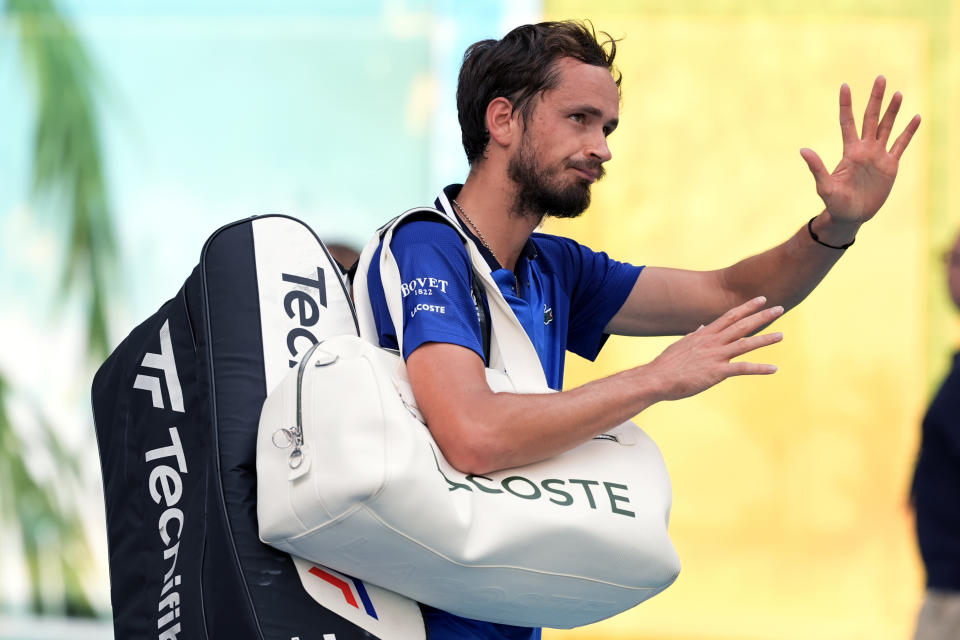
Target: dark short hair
520	67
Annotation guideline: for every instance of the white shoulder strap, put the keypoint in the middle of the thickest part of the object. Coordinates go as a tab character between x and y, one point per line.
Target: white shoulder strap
511	348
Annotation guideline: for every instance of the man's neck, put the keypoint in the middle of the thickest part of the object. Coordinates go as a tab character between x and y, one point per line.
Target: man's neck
488	204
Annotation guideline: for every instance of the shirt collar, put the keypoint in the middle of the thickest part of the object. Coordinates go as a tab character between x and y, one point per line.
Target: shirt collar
445	204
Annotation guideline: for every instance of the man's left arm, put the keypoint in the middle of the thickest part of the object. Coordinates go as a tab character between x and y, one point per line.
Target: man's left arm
676	301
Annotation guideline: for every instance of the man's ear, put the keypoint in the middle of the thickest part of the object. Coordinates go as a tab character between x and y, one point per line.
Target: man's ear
501	122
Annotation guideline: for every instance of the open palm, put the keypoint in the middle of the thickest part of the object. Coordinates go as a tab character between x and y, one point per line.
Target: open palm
861	182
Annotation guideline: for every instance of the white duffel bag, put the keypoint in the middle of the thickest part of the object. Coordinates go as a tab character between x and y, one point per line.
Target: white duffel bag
349	477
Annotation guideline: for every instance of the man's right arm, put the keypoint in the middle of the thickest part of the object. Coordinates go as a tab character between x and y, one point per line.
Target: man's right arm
480	431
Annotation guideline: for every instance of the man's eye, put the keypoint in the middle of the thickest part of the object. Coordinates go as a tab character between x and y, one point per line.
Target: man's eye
578	117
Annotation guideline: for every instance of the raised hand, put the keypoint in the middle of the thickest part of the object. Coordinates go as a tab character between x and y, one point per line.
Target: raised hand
860	184
701	359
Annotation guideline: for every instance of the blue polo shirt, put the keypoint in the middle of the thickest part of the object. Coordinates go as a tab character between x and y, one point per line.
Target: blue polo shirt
563	294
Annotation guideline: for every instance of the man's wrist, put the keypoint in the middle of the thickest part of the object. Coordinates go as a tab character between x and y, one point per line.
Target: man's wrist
828	231
648	384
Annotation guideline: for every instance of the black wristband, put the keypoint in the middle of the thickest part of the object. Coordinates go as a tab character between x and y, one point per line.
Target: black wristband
819	241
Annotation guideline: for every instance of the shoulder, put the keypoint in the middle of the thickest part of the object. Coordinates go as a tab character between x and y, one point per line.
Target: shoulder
550	243
428	242
425	230
558	248
566	254
580	267
555	253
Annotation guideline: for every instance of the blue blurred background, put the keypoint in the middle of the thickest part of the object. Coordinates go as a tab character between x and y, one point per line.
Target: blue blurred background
132	130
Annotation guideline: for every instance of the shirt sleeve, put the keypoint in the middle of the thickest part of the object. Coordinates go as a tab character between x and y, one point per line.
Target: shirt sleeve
598	286
435	274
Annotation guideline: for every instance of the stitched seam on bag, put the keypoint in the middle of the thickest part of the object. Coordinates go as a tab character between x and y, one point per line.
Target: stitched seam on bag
383	415
293	510
310	406
308	532
507	566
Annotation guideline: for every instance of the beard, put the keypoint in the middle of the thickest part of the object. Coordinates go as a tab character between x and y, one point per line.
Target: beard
541	192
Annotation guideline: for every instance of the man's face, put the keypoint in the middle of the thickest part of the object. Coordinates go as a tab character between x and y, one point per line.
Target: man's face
564	143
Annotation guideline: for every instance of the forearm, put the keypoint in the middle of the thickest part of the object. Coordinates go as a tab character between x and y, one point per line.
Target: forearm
510	430
676	301
480	431
787	273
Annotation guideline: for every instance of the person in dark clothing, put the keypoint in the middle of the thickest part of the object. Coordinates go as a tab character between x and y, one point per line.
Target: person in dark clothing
936	495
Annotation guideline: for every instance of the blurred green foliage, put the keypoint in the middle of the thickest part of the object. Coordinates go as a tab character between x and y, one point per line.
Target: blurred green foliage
68	177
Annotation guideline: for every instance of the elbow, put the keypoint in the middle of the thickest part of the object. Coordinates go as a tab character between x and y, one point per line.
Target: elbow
469	462
470	449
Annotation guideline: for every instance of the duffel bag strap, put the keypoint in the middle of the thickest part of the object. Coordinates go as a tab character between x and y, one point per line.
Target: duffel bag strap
517	353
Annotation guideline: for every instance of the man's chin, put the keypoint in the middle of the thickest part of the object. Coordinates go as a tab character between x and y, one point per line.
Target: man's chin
567	215
565	200
571	203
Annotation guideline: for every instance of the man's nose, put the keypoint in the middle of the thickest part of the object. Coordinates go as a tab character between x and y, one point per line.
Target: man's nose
599	149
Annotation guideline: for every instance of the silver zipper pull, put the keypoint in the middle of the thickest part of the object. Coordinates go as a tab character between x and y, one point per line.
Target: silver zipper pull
286	438
296	458
283	438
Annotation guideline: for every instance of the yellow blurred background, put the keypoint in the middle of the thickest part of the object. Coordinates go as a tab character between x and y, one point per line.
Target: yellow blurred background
790	492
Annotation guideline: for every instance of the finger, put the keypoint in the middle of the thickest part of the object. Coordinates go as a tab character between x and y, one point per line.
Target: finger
751	324
750	369
886	125
746	345
900	144
872	113
848	127
734	315
817	168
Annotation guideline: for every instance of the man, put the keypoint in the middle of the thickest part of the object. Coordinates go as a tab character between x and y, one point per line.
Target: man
936	495
536	109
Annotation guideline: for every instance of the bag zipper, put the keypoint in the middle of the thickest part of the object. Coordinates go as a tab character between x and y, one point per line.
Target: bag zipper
283	438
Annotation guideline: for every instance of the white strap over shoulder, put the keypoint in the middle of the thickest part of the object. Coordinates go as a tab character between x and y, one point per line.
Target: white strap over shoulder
511	348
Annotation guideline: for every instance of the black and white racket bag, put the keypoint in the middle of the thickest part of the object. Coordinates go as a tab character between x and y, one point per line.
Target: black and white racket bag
176	408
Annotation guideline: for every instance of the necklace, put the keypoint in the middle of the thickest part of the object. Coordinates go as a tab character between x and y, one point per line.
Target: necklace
473	225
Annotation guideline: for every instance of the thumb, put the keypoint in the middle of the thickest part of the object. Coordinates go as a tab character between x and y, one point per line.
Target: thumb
815	164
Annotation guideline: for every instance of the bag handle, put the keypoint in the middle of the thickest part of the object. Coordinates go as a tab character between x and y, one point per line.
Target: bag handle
515	353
